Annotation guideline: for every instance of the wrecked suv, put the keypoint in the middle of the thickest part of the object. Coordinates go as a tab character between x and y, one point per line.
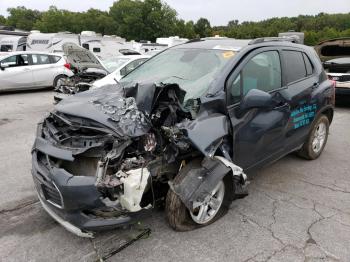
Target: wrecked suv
181	130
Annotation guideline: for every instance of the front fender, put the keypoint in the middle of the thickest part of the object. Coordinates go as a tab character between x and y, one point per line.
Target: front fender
207	132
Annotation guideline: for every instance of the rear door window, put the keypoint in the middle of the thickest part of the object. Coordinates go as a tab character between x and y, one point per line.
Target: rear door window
295	66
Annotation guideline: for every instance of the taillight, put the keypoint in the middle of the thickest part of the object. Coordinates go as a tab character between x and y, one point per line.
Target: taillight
334	83
67	65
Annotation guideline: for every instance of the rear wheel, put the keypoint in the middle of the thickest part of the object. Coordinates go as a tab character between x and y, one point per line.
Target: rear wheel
214	207
317	139
57	81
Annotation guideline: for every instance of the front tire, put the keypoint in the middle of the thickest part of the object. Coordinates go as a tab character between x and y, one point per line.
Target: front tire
316	140
181	219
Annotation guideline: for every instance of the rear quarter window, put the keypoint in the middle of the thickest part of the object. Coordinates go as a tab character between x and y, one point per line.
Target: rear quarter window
295	66
55	58
308	65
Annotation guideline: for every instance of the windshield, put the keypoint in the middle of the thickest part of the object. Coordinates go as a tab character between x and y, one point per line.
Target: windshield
192	69
114	63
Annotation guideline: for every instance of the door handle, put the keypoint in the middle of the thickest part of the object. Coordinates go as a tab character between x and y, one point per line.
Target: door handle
281	105
315	85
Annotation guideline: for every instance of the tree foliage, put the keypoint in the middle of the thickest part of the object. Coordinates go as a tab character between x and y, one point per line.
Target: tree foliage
203	27
149	19
21	17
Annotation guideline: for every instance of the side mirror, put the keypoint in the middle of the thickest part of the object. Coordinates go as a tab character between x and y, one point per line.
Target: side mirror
3	66
255	99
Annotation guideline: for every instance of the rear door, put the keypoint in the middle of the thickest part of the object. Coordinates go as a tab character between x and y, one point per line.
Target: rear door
44	71
260	134
17	73
301	81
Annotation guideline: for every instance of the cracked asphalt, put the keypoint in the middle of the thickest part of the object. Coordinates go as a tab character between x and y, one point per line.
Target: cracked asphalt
297	210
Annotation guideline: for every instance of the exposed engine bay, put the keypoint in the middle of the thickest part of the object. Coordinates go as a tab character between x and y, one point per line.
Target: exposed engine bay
80	81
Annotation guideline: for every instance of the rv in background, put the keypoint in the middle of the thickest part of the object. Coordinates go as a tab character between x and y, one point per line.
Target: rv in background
171	41
145	46
299	36
13	43
51	43
8	31
103	46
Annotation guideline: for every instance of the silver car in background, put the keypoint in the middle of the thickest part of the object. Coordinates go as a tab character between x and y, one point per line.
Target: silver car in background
31	70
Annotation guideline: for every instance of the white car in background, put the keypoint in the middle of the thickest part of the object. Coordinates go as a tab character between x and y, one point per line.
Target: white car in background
119	66
31	70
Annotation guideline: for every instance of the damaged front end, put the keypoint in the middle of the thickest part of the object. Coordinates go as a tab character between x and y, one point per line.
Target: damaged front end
104	158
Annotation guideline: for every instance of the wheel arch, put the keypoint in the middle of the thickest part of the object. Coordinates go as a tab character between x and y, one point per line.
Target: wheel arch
329	112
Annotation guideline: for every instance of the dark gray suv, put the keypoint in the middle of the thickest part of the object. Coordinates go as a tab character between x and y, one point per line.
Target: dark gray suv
181	129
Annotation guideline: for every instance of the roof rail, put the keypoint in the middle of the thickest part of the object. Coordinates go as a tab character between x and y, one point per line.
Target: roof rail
291	39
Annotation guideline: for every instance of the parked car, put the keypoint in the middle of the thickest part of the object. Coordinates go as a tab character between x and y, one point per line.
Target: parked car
87	69
338	70
336	56
31	70
119	66
181	129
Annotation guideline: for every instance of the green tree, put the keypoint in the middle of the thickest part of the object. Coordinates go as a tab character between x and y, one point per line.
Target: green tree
127	15
54	20
2	20
22	18
203	27
144	20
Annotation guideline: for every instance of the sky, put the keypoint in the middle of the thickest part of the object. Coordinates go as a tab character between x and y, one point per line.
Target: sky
219	12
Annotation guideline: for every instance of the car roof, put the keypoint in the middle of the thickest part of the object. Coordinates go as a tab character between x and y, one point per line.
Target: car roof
236	44
215	43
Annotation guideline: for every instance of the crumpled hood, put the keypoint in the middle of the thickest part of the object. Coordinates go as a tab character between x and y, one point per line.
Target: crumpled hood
81	58
107	106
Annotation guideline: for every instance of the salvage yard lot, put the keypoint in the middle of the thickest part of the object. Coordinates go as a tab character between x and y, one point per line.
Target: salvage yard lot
296	209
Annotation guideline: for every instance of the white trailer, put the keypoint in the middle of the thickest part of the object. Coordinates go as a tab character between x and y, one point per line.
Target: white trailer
103	46
171	41
50	42
13	43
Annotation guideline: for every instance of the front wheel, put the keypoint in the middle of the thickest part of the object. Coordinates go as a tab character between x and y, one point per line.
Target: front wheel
214	207
316	140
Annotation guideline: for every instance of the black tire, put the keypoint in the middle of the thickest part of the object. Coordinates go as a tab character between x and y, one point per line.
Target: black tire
55	81
178	215
307	150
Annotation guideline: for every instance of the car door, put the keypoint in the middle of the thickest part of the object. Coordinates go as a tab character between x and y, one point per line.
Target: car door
44	72
301	81
16	72
259	135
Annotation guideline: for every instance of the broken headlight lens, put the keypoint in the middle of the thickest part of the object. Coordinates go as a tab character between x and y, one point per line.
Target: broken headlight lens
149	142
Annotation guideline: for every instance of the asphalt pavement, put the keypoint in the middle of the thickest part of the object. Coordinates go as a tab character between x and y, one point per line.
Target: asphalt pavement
297	210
